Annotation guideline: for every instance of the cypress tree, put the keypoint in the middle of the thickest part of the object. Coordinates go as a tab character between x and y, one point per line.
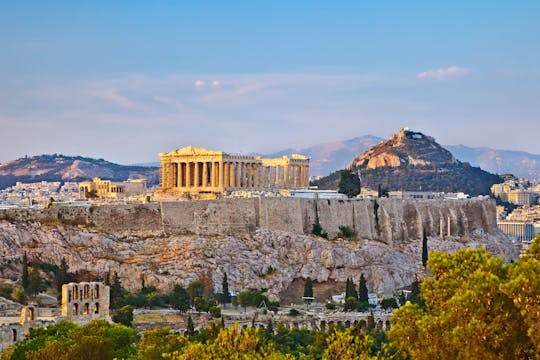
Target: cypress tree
424	249
226	295
190	327
350	290
308	288
63	275
362	289
25	277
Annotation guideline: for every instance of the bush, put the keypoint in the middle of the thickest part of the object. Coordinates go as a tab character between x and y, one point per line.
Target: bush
346	232
215	311
294	312
319	231
330	306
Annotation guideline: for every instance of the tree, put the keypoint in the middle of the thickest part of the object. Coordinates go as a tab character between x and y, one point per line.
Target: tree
351	303
62	276
424	249
116	292
349	183
25	278
245	299
469	311
308	288
179	298
389	303
158	341
362	289
190	328
225	294
343	345
124	315
35	283
350	290
195	290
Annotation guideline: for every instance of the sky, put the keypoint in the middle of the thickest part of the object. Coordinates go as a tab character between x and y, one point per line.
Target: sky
125	80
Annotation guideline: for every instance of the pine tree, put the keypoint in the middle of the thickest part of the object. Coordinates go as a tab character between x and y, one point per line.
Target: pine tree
424	248
226	295
35	283
350	290
25	278
63	274
190	327
362	289
308	288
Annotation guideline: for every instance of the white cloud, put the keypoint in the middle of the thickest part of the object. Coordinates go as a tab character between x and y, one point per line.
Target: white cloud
112	95
439	74
216	84
199	84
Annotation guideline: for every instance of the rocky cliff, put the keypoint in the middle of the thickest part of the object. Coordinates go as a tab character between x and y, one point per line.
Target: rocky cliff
179	242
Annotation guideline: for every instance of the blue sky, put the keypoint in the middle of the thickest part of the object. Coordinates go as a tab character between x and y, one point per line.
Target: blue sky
124	80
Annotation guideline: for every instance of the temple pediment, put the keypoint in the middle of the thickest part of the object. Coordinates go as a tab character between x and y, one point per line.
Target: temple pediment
191	150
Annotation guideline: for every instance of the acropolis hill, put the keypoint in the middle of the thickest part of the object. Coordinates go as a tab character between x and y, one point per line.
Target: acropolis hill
180	241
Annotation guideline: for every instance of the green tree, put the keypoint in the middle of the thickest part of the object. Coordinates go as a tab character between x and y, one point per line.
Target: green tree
362	289
468	312
351	303
225	294
25	275
424	248
349	183
62	276
195	290
124	315
35	282
350	290
190	328
158	341
308	288
116	292
179	298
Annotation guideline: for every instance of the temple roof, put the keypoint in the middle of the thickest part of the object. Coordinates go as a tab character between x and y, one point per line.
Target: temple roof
191	150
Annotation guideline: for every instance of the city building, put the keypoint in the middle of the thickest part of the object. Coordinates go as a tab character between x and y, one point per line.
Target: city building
197	171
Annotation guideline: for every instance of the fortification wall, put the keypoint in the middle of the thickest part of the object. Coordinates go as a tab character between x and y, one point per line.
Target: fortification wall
386	220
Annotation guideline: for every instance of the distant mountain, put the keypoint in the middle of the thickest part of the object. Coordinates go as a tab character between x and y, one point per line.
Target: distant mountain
413	161
328	157
69	168
331	156
520	163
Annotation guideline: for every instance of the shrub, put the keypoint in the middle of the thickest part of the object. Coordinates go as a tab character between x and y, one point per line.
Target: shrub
330	306
294	312
215	311
346	232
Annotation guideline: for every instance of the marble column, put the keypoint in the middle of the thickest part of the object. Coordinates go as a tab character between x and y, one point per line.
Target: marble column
188	174
221	176
204	182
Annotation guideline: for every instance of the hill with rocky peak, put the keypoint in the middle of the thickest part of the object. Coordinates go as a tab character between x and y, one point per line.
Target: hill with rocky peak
412	161
57	167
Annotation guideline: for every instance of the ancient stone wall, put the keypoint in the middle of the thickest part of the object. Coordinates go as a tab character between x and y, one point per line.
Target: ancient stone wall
387	220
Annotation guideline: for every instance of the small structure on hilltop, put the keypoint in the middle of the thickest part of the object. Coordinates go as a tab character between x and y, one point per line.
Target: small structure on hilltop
199	171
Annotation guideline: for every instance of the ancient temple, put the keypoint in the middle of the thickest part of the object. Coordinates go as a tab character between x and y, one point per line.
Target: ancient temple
198	170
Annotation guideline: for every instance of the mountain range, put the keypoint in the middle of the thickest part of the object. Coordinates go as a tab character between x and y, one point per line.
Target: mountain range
413	161
328	157
325	158
57	167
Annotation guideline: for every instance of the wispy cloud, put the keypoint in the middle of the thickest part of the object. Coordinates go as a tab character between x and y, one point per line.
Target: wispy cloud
112	95
439	74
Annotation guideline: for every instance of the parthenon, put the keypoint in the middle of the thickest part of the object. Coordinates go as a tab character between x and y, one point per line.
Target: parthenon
198	170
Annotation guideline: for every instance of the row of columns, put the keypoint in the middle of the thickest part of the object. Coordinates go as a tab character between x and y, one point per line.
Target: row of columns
233	174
